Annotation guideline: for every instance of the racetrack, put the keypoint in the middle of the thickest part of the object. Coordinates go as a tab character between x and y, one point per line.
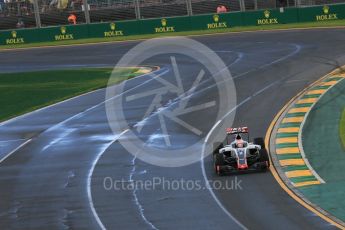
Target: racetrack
55	180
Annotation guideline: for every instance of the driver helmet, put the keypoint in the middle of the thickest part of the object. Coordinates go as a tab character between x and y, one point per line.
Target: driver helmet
239	141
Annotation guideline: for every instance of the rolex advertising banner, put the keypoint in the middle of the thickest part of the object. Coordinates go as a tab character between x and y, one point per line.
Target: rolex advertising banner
216	21
113	29
270	17
322	13
173	24
19	37
64	33
165	25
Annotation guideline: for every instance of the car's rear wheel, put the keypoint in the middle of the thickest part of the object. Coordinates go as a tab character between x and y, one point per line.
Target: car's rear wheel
263	152
259	141
264	158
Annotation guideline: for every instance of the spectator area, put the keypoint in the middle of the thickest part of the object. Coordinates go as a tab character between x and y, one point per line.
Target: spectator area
56	12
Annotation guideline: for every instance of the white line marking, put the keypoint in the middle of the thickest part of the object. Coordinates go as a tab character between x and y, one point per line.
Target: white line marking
4	141
62	136
214	195
211	131
203	153
215	198
195	84
233	109
264	89
297	50
177	75
136	199
88	183
15	150
164	129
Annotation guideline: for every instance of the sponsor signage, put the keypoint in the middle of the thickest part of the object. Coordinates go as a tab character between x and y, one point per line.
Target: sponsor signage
164	28
64	35
113	32
326	15
267	19
14	39
217	24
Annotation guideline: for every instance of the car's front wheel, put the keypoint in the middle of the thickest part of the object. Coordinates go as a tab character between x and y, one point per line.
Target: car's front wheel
218	162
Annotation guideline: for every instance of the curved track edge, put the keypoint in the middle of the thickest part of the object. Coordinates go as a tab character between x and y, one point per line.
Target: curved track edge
279	175
153	69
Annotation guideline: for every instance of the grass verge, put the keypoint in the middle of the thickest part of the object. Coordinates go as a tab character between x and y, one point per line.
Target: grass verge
342	128
323	24
24	92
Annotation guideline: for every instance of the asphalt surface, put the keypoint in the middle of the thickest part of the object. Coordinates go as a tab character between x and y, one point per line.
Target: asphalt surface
56	179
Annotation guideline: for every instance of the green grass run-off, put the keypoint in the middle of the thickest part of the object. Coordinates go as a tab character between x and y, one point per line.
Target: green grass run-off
24	92
342	128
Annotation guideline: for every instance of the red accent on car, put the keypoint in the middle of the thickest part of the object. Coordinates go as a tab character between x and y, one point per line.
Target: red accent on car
242	166
237	130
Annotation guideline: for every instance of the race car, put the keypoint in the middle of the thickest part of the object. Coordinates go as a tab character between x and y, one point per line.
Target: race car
237	155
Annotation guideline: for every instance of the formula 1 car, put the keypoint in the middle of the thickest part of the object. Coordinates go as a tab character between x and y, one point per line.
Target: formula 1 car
236	154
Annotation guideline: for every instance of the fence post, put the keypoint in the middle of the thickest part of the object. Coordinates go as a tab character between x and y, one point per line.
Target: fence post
189	7
137	9
242	5
256	4
37	14
86	12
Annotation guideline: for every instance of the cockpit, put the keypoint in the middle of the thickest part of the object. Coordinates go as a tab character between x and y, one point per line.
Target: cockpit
236	144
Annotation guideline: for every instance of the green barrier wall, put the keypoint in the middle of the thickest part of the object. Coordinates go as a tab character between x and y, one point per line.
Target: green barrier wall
271	17
19	36
64	33
165	25
216	21
322	13
113	29
174	24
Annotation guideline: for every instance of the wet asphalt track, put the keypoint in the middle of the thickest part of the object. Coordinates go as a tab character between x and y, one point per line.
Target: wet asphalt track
43	185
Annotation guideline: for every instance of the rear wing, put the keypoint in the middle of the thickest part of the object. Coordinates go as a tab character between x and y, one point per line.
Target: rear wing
237	130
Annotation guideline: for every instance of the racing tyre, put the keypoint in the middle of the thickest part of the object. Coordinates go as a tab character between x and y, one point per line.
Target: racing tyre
265	158
216	147
218	162
260	141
